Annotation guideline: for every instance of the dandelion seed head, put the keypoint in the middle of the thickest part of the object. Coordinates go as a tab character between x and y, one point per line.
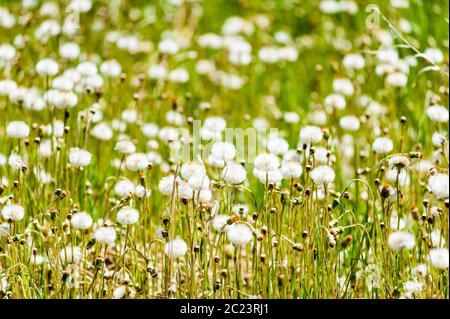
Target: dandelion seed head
220	222
79	157
5	229
191	169
105	235
382	145
401	240
311	135
136	162
266	162
438	258
354	61
322	174
439	185
335	101
166	184
239	234
14	212
234	173
343	86
81	220
176	248
17	129
439	139
47	67
291	170
127	216
223	151
185	191
199	181
420	270
125	147
437	113
277	145
69	50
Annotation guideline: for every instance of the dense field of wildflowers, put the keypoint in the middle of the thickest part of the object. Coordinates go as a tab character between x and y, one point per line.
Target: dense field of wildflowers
224	149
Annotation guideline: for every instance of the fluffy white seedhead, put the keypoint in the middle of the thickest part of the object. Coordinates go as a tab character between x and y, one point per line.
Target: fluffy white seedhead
311	135
401	240
176	248
382	145
81	220
349	123
291	170
277	145
79	157
438	113
223	151
105	235
239	234
127	216
124	187
17	129
438	258
322	174
137	162
166	184
266	162
47	67
199	181
190	169
13	212
336	101
234	173
220	222
439	185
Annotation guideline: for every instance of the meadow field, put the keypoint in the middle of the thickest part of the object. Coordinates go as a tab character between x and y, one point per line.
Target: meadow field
293	149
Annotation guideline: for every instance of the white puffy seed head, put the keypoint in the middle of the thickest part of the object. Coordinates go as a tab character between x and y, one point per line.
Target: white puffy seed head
17	129
79	157
137	162
401	240
277	145
311	135
105	235
125	147
47	67
166	184
239	234
438	258
199	181
13	212
81	220
438	113
382	145
191	169
266	162
439	185
349	123
176	248
291	170
322	174
127	216
220	222
223	151
234	173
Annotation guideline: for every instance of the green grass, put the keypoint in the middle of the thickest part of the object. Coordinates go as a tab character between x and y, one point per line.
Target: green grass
291	254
